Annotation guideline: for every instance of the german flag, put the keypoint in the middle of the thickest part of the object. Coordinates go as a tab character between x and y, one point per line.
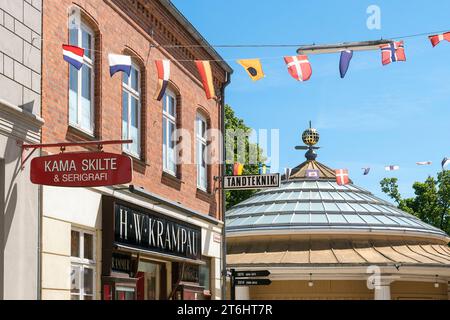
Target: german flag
204	68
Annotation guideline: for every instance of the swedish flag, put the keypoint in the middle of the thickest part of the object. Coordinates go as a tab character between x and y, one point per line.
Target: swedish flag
253	68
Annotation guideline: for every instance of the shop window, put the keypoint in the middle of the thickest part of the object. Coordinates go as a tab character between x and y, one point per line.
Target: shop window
205	275
169	127
201	143
131	111
82	275
81	82
150	281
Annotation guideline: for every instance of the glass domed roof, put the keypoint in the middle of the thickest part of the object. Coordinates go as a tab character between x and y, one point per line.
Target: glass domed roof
321	205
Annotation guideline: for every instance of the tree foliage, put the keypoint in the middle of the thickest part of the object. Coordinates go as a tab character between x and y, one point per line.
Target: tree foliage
233	123
431	202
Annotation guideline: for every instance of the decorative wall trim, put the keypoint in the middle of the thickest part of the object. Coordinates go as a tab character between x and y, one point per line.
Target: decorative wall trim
19	123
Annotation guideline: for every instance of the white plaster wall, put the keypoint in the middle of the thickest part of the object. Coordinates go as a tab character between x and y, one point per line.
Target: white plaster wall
79	206
19	206
19	227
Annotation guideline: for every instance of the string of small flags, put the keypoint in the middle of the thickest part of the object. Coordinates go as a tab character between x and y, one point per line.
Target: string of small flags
122	63
298	66
342	175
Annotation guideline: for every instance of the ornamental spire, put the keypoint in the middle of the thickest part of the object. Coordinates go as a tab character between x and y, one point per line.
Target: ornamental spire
310	137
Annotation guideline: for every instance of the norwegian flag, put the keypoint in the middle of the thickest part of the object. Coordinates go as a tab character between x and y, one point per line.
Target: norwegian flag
299	67
342	177
393	52
437	38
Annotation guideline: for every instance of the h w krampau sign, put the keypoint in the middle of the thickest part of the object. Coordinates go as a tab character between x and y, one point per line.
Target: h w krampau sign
81	169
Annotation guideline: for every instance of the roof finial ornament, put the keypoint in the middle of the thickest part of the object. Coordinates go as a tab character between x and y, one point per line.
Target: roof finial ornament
310	137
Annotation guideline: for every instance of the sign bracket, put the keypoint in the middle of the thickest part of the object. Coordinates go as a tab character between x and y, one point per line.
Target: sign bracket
63	145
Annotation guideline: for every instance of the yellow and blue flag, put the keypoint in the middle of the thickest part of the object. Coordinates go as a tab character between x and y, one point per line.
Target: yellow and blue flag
253	68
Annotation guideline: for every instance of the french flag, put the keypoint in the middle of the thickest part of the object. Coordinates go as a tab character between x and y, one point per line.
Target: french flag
163	67
118	63
73	55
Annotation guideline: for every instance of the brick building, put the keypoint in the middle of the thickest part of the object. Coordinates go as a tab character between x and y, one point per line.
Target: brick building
82	257
20	122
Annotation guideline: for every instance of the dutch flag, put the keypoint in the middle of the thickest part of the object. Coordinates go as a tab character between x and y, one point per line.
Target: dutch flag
73	55
118	63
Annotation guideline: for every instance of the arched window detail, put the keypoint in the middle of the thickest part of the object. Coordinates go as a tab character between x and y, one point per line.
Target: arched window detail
131	110
169	127
201	142
81	82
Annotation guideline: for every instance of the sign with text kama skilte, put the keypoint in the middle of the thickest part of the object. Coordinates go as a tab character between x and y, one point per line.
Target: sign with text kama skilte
81	169
259	181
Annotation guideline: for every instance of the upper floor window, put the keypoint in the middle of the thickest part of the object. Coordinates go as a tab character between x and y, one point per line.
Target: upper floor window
201	142
131	111
81	82
169	127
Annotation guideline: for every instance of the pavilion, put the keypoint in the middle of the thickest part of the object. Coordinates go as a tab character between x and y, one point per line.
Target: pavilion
321	240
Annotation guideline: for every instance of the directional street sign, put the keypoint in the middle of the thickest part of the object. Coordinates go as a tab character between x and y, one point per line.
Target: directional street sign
252	282
248	274
257	181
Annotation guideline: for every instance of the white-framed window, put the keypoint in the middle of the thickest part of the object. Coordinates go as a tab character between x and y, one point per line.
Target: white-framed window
169	127
201	145
81	82
131	111
82	273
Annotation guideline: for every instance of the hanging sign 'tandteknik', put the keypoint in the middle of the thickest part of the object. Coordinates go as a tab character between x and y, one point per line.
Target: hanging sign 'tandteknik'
258	181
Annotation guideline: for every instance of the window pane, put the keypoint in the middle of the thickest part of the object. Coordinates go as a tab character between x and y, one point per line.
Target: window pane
134	126
86	96
134	79
74	297
336	218
88	246
75	244
171	150
125	115
205	275
125	78
73	94
75	279
88	280
87	43
165	143
171	106
73	37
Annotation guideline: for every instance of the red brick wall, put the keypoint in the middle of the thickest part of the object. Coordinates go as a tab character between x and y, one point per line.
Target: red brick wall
116	32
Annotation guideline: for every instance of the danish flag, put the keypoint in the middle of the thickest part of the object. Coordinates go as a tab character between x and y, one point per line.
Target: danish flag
299	67
435	39
392	52
342	177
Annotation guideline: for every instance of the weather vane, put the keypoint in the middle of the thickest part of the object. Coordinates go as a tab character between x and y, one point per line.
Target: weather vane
310	137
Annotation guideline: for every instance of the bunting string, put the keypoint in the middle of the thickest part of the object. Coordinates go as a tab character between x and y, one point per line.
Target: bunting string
273	45
298	66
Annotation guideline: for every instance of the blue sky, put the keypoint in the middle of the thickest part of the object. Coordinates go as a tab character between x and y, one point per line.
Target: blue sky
376	116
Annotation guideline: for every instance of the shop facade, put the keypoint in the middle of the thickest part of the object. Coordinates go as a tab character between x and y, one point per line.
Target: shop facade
117	245
173	199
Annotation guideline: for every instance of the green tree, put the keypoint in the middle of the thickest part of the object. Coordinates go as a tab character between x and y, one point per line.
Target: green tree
234	124
431	202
